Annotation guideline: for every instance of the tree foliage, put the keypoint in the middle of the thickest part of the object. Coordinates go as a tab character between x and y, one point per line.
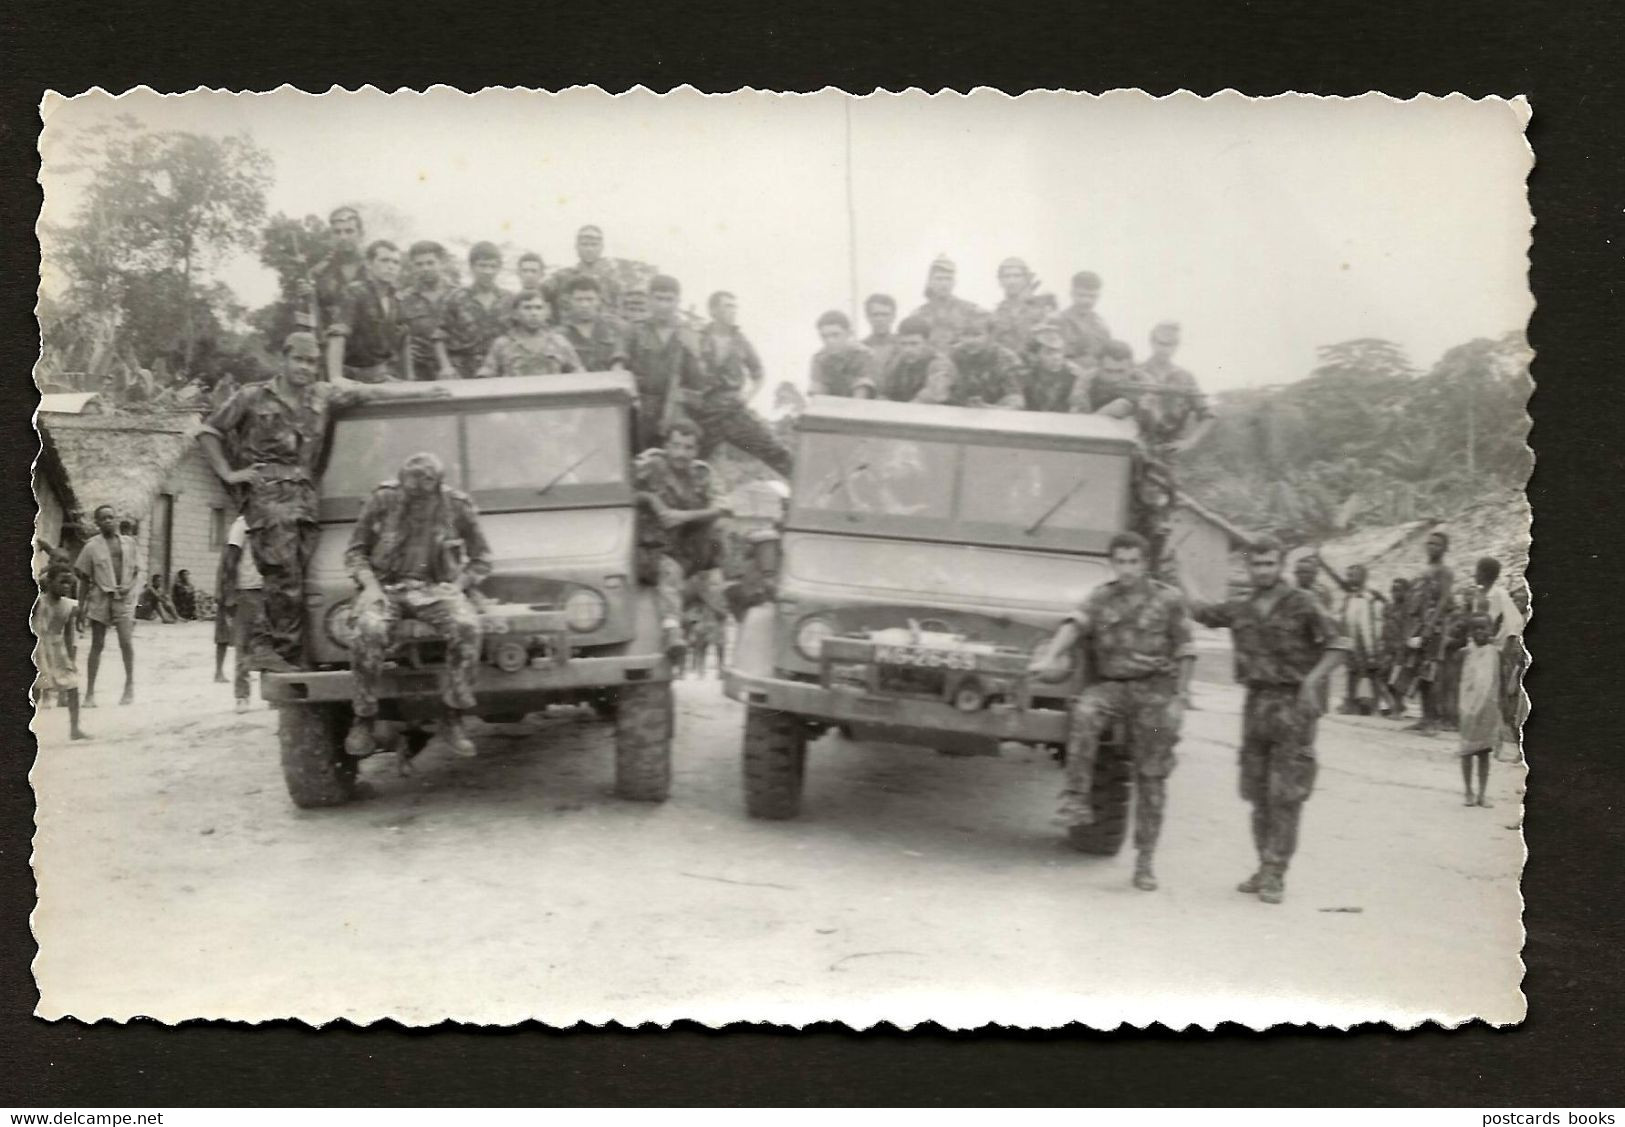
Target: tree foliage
1367	439
158	213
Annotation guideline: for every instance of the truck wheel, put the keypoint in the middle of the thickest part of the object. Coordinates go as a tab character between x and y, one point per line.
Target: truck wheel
775	763
314	766
643	730
1109	795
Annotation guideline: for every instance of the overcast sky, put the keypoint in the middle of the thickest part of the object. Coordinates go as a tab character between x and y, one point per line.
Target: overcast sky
1266	227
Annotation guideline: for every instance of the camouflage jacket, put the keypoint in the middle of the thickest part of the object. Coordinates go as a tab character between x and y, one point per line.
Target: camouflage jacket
730	359
1133	631
660	485
923	379
1084	335
947	317
1277	644
517	353
988	372
424	314
471	326
1015	318
841	371
1171	399
1052	391
434	543
601	344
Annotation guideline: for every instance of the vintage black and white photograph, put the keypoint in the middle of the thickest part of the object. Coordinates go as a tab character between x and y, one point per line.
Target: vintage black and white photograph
903	558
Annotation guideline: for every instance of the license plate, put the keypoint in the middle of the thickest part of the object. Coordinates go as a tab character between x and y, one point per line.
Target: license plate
921	658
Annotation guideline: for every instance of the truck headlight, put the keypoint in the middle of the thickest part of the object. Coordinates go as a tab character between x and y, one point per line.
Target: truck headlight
810	637
1062	668
585	610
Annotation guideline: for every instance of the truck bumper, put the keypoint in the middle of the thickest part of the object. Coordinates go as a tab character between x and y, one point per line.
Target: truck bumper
401	683
903	719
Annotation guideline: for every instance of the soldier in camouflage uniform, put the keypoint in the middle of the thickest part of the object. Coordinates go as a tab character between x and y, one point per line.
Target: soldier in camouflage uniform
598	338
1177	411
477	314
944	314
1051	377
677	529
1286	648
986	374
915	372
591	264
843	366
1022	311
529	347
416	551
1082	329
734	375
276	432
423	308
1134	632
334	273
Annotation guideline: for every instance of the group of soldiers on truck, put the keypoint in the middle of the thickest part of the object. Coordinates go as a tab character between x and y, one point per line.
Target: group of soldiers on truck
417	549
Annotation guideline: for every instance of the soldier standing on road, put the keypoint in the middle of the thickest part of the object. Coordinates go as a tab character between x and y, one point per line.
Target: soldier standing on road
1052	377
598	337
416	552
986	374
843	366
733	376
663	355
880	310
677	529
1135	634
364	340
277	431
1018	316
915	372
1286	647
1428	613
476	314
944	314
1083	330
529	347
423	309
591	264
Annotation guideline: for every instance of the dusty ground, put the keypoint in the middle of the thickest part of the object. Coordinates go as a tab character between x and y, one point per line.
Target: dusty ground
177	881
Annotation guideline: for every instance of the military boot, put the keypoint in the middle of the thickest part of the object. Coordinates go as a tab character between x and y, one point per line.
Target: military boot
1074	811
1272	888
1252	884
360	742
1144	879
455	737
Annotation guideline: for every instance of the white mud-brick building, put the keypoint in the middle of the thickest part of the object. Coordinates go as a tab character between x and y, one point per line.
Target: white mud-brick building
150	469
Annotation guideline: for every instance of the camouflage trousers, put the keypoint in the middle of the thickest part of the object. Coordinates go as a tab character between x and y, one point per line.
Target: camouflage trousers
282	550
1149	711
674	584
441	606
1278	768
725	418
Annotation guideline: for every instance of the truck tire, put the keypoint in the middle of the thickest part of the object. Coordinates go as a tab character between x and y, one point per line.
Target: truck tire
1109	796
314	766
643	730
775	763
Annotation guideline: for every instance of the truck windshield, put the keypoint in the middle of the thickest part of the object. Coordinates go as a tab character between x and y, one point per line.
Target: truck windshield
859	474
973	492
537	447
521	448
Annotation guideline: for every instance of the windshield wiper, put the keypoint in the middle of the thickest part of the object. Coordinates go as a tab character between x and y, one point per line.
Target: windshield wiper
567	470
846	472
1032	529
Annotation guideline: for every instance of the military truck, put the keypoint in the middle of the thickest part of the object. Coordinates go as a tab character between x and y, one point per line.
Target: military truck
549	462
927	552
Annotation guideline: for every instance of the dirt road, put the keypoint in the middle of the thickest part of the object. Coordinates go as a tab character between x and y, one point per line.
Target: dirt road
177	881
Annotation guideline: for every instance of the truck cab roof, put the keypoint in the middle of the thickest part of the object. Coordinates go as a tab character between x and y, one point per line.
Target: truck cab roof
568	386
834	413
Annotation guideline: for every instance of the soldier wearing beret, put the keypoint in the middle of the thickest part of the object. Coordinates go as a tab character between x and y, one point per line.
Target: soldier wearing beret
944	314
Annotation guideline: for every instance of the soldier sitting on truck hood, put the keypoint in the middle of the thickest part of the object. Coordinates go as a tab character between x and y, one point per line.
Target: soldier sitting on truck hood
416	551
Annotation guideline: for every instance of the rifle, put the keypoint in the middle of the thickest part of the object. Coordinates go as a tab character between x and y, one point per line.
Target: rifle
1422	663
312	315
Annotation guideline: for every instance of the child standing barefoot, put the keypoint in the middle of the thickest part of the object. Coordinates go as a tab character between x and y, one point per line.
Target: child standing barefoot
1480	706
53	621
